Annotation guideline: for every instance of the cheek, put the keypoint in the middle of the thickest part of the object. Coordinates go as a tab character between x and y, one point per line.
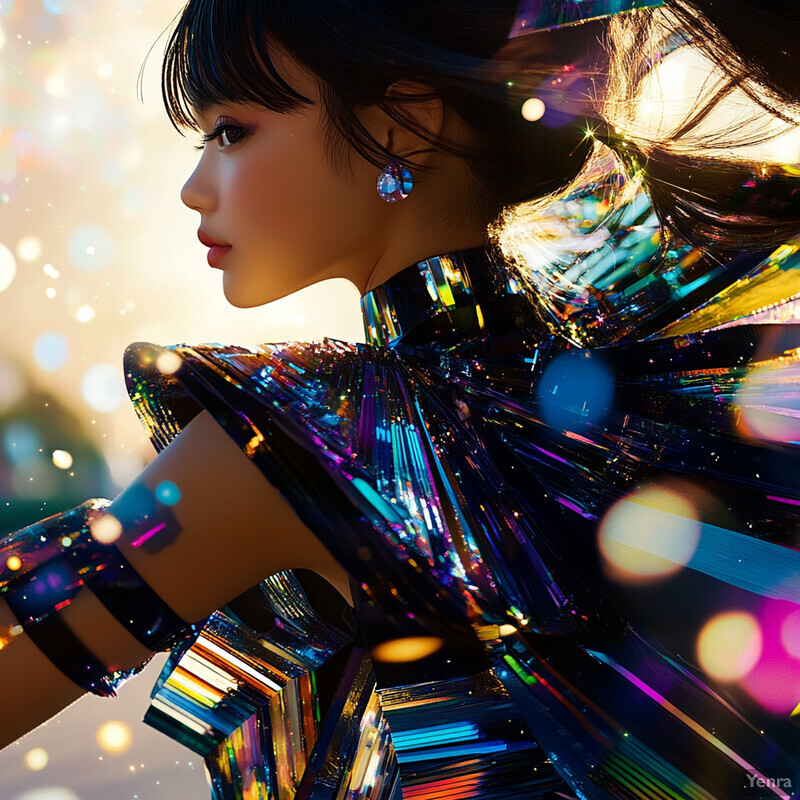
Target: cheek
300	208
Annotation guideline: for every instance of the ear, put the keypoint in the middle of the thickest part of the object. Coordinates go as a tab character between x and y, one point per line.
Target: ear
422	107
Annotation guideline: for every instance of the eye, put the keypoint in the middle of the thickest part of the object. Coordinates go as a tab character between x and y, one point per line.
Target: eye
227	134
231	134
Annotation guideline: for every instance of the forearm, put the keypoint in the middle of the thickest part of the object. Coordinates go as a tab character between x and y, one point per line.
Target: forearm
32	688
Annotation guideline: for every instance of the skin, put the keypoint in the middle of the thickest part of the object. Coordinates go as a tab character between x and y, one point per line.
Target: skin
267	186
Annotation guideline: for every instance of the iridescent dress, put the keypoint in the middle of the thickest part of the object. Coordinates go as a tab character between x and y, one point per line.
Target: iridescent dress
462	465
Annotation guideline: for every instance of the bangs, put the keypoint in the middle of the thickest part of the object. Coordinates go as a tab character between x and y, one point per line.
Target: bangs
218	53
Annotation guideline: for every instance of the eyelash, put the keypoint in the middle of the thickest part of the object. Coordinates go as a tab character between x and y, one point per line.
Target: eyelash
221	130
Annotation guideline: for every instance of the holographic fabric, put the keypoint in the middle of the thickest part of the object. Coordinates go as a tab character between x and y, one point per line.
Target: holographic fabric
564	522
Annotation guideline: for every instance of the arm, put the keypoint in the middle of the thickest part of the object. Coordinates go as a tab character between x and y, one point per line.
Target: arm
234	529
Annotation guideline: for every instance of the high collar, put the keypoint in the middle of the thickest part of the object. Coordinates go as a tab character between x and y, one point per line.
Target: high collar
445	299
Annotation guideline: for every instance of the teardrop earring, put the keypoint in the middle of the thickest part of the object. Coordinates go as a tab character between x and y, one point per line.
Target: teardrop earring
394	182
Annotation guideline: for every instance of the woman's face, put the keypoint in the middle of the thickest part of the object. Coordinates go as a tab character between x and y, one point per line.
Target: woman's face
266	188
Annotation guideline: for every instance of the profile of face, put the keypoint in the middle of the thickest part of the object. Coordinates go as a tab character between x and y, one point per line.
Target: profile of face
286	212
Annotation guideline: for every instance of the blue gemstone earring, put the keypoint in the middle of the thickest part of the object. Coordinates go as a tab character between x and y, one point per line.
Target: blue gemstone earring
394	182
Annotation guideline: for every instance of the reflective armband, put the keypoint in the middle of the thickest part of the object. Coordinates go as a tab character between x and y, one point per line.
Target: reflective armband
45	565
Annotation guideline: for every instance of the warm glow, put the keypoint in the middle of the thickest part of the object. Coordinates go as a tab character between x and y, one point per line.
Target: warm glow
533	109
84	314
410	648
106	528
14	563
729	645
168	362
114	737
29	248
649	534
763	401
36	759
62	459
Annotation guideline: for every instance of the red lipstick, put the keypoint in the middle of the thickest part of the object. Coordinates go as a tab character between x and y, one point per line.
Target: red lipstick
216	249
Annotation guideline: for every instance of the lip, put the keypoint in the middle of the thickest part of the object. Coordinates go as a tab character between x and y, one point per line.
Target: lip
217	250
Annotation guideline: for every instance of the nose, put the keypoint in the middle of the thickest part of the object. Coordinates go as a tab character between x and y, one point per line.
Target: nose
198	191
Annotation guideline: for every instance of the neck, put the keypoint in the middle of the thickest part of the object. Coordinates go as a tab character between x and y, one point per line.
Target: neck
432	221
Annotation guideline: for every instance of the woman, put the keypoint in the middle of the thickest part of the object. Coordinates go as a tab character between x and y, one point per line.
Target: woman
450	477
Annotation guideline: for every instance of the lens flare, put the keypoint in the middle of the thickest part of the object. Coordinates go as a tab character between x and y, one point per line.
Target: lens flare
106	528
533	109
769	403
729	645
84	314
29	248
51	351
168	493
114	737
410	648
648	535
168	362
103	388
36	759
576	389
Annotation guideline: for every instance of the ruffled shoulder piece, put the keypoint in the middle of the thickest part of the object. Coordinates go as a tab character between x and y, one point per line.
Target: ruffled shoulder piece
336	428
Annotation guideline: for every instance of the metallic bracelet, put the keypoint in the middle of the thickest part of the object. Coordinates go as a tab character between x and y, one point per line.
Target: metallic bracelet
117	585
44	566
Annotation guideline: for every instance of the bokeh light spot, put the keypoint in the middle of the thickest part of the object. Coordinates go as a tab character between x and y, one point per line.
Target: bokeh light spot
50	351
48	793
533	109
21	442
576	388
168	493
103	388
84	314
106	528
648	535
790	634
56	83
91	248
8	267
29	248
774	682
168	362
114	737
14	563
36	759
62	459
768	402
409	648
729	645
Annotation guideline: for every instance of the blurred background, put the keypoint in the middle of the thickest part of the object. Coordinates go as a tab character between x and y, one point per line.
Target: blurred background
96	252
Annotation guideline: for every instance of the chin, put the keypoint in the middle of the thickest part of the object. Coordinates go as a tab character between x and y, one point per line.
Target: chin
240	295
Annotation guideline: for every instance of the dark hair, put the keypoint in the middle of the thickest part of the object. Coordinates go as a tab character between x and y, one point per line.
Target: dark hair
220	51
